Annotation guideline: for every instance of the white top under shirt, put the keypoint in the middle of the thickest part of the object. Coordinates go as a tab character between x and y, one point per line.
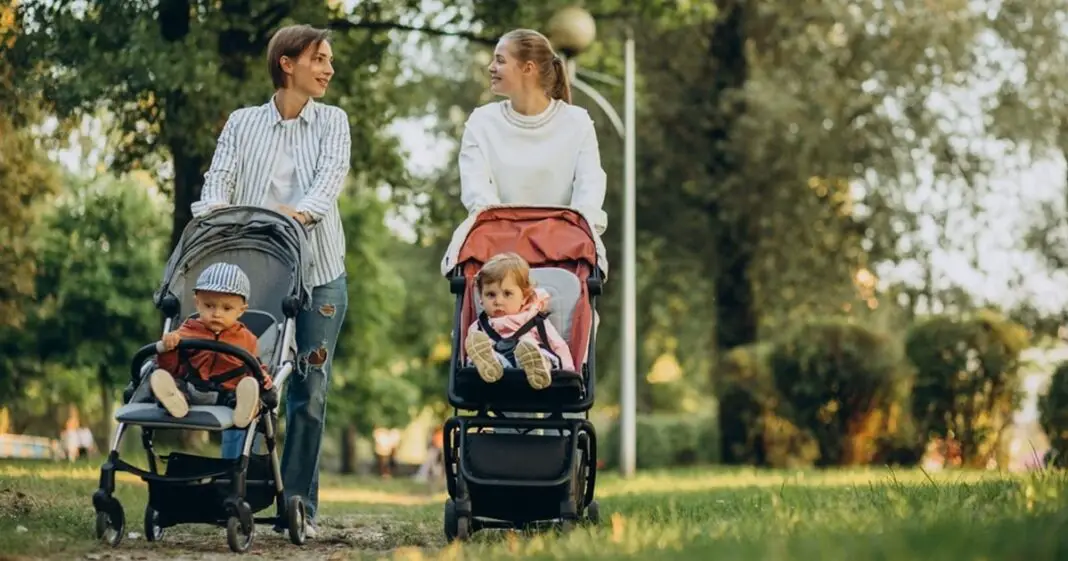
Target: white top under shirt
547	159
283	190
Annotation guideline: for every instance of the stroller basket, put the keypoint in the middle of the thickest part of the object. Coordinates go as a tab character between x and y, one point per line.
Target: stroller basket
203	500
508	456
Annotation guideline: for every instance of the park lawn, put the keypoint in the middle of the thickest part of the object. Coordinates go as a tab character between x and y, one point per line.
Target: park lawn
876	514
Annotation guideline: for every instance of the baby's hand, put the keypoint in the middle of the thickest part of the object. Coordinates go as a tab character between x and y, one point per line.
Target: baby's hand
170	341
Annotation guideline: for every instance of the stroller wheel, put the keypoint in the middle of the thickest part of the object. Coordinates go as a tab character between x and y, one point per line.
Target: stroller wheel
236	537
296	514
463	528
111	524
450	520
593	513
153	530
456	527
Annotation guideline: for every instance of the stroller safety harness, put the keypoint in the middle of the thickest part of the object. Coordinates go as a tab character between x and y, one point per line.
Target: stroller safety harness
506	345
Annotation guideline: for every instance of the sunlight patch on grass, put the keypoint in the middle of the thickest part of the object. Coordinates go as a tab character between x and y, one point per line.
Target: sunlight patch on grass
80	474
714	480
371	496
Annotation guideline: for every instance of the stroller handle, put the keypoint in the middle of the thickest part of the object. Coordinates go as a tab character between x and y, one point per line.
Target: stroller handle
148	350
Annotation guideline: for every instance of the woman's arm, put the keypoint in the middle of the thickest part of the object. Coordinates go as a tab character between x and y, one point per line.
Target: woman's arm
476	186
221	177
335	154
590	183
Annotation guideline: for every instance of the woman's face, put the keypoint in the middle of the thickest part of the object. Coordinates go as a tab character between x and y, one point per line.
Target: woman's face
507	74
310	73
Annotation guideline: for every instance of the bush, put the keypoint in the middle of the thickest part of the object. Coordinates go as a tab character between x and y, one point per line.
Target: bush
1053	409
751	430
841	382
664	441
966	385
745	392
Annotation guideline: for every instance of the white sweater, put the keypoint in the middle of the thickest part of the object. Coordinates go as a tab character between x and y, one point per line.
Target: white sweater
547	159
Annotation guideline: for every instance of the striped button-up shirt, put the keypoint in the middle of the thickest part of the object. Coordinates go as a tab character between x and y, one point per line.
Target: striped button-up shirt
240	172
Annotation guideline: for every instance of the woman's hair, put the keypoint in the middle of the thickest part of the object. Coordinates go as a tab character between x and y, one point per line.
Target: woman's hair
290	41
503	265
528	45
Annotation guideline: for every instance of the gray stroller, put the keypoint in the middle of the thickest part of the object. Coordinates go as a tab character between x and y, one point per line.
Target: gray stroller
272	249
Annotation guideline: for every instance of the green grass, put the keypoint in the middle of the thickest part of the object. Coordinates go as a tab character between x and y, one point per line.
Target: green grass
697	514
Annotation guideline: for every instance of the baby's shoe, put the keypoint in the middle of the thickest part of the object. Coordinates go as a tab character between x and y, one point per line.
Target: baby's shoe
246	401
536	366
479	348
166	391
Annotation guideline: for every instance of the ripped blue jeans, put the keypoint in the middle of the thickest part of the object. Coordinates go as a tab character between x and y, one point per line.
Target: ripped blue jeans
305	401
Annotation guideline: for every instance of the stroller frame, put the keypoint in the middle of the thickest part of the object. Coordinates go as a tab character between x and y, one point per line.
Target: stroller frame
195	489
520	480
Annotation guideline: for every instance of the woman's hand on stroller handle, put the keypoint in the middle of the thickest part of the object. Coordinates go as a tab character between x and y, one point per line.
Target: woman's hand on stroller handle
304	218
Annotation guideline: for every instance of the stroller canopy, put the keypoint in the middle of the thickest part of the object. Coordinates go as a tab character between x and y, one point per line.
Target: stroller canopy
270	247
544	236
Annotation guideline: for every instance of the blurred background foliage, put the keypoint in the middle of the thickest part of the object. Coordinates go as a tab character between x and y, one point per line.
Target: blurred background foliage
794	156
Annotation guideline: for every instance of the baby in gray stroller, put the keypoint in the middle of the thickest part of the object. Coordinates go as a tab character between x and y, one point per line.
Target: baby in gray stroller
222	368
211	377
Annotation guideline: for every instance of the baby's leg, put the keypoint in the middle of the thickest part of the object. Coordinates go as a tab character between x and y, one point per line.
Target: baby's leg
201	397
536	363
246	401
165	390
480	350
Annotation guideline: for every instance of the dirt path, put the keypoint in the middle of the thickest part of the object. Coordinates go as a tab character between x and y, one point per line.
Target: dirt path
339	537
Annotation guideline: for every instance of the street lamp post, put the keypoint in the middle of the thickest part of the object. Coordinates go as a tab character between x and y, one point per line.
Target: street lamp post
572	30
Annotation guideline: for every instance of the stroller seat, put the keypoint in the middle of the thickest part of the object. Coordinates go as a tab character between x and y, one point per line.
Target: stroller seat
567	387
143	411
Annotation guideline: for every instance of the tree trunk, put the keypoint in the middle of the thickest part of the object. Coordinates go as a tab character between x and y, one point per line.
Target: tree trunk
103	432
348	450
188	181
736	314
174	24
732	243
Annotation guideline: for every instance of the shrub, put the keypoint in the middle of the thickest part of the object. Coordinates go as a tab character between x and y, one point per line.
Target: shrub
1053	410
664	441
752	432
745	392
966	385
840	382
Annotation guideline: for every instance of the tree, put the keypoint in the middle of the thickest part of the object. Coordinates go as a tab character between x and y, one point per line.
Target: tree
366	382
170	73
101	258
781	158
28	178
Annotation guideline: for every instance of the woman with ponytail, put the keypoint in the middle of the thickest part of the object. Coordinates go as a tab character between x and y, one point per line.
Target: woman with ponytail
533	148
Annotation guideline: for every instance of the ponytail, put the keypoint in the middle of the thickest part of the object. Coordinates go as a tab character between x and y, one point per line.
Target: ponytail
528	45
561	88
